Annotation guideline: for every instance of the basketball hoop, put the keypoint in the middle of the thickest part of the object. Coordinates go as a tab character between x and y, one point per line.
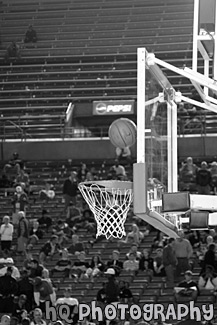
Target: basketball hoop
110	202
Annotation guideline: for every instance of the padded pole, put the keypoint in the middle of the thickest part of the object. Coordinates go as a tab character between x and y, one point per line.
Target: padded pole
139	188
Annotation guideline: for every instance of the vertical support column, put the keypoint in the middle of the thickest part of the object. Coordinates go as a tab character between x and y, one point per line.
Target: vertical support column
195	35
141	62
172	146
169	148
139	169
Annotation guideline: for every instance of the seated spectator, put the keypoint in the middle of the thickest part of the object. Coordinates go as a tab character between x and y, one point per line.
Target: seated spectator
86	221
194	238
158	263
115	263
101	294
132	264
203	179
22	180
96	267
76	245
125	293
71	302
35	234
134	250
187	174
209	241
73	215
47	193
61	228
89	177
19	306
82	172
37	317
9	262
188	170
146	263
6	232
45	221
43	291
208	280
49	249
63	265
135	236
35	269
31	35
5	182
118	170
80	266
159	240
187	288
23	316
15	163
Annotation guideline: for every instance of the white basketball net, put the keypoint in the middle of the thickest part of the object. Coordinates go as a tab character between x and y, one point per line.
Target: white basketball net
109	206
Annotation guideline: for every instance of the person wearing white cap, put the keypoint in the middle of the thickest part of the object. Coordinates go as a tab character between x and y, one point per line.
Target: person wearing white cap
15	272
6	232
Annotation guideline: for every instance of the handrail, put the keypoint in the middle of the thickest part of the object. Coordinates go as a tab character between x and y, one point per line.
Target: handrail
19	128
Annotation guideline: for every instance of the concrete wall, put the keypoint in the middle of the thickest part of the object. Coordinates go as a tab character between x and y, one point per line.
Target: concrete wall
98	149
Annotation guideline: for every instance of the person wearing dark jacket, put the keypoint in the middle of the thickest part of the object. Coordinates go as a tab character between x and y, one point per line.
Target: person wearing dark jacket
22	232
8	289
169	262
31	35
25	287
50	248
70	189
146	263
188	288
111	287
203	179
209	258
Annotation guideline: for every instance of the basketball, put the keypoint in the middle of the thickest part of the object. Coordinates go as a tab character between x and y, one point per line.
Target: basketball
122	133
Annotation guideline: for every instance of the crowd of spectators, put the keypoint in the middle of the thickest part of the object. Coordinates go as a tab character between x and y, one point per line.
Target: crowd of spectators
198	179
24	291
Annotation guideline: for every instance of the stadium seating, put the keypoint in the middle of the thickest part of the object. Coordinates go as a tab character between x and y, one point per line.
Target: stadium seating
79	44
86	50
